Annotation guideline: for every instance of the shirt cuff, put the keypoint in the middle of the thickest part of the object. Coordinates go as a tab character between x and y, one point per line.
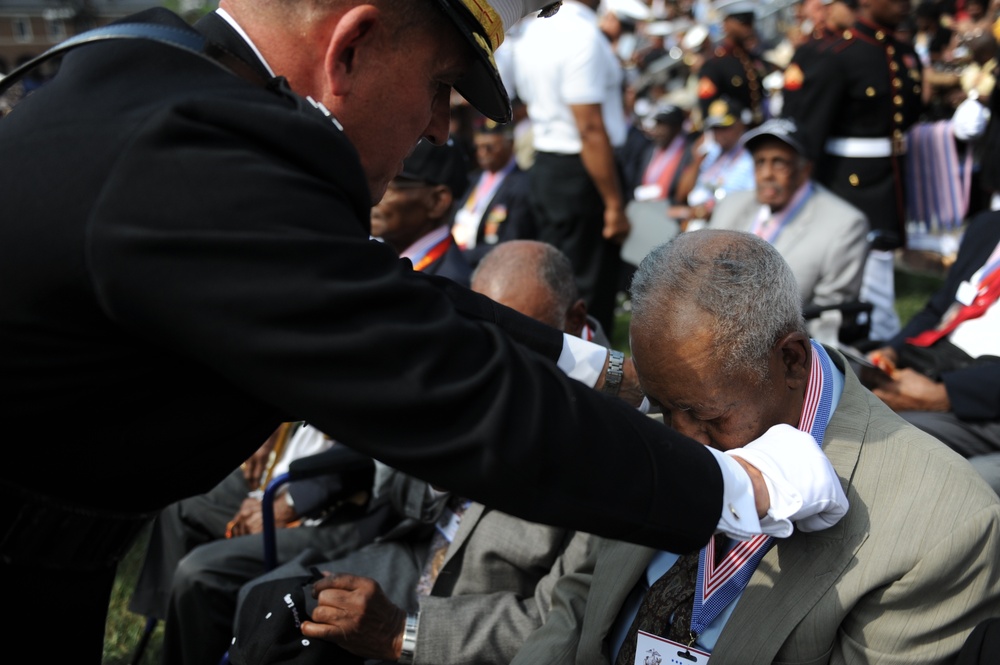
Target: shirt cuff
582	360
739	509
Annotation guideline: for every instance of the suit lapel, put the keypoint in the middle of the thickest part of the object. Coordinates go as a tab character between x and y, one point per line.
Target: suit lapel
799	571
466	525
616	573
795	232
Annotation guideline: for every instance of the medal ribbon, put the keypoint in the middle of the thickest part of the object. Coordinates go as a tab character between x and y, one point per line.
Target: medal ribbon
987	292
772	225
433	254
718	585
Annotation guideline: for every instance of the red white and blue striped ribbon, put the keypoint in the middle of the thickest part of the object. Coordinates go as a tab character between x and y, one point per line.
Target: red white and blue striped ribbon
718	585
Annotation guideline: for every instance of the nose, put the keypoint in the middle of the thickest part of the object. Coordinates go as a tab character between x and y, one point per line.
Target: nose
440	124
691	427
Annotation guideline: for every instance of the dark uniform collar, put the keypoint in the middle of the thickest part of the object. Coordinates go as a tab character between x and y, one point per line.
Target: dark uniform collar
218	30
873	32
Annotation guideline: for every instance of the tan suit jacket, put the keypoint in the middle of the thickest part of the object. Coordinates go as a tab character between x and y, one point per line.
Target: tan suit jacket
903	578
494	587
825	244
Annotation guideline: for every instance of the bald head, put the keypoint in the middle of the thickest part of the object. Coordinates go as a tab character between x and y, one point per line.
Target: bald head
533	278
733	283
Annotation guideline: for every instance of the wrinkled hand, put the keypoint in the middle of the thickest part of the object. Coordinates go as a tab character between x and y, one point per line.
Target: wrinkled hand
912	391
248	520
355	613
802	485
616	225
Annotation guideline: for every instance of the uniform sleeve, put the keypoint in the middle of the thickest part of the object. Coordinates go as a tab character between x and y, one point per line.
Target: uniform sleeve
229	235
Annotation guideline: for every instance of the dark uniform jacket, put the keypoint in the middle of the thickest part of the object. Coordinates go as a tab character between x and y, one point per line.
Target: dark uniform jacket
734	73
186	263
865	84
507	217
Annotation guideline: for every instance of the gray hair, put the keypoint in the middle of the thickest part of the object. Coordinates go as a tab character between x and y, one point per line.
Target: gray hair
740	280
545	264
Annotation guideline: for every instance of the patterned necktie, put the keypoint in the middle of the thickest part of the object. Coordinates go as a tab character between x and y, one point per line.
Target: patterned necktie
670	596
439	548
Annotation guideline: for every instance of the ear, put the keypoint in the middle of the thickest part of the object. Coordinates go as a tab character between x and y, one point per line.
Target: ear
576	318
349	43
439	202
796	359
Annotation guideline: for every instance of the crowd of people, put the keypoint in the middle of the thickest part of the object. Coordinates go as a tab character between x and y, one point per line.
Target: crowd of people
388	226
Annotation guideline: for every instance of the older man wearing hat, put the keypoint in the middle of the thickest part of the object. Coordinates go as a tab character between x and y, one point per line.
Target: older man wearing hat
720	165
206	272
822	237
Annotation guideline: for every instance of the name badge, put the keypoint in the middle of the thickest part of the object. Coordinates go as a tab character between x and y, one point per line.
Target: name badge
966	293
647	192
653	650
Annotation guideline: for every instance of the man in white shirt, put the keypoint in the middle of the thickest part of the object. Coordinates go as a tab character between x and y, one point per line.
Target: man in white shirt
571	81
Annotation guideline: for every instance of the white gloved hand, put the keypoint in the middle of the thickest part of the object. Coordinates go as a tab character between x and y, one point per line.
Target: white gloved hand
802	484
970	119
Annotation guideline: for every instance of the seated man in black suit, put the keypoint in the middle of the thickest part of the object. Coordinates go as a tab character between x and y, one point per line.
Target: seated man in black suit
414	215
945	363
495	208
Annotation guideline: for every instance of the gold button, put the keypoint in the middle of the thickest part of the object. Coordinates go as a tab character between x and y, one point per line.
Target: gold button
737	81
847	34
853	179
890	50
752	75
893	67
897	133
870	91
897	100
898	117
915	74
897	84
916	89
880	35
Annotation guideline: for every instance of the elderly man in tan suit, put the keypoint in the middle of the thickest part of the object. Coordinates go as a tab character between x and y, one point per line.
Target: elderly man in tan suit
719	342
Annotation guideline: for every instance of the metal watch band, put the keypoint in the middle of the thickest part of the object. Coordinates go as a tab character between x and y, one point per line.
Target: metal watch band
614	373
409	640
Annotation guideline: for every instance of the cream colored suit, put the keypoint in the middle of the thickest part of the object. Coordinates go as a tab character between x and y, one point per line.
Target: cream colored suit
903	578
825	245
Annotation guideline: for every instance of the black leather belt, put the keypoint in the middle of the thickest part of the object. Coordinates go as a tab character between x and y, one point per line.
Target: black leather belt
43	532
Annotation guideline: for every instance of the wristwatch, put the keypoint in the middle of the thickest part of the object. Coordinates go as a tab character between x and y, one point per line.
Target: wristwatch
614	373
409	639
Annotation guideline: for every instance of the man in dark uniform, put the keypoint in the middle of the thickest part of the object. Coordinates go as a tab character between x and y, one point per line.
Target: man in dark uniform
854	102
187	263
496	206
735	71
414	215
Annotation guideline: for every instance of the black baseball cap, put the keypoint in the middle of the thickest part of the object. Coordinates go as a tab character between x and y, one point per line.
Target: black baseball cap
438	165
782	129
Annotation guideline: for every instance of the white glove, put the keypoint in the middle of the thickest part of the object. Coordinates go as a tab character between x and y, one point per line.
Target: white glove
970	119
801	482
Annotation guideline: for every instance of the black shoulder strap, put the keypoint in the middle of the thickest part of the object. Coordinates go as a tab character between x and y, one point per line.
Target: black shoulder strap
188	40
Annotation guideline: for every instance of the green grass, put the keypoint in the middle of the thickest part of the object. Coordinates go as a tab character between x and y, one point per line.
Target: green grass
124	628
